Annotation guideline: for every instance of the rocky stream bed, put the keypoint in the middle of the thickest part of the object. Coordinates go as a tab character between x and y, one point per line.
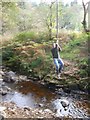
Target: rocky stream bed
21	97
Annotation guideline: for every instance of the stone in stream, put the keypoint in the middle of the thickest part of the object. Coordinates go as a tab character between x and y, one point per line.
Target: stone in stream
10	77
2	73
1	80
4	90
2	108
3	84
40	105
27	108
2	112
22	78
4	93
0	76
66	108
62	107
64	103
48	110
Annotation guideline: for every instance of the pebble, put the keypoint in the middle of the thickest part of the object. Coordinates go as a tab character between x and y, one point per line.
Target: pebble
22	77
47	110
2	73
1	79
40	105
27	108
2	108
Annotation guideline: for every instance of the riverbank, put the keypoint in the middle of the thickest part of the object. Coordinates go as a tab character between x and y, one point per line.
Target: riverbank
30	64
10	110
33	61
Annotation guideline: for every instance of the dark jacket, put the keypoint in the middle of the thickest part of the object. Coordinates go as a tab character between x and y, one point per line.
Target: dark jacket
54	52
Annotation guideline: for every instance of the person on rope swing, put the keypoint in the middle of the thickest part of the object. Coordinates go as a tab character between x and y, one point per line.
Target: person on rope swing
56	57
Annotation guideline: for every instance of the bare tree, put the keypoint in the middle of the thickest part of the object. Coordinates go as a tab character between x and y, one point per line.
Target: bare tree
85	7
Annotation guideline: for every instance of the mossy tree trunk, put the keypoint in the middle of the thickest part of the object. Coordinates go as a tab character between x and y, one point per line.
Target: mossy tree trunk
49	21
86	8
89	15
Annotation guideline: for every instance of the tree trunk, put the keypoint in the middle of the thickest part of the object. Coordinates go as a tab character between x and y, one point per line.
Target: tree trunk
56	18
84	17
50	28
89	15
86	25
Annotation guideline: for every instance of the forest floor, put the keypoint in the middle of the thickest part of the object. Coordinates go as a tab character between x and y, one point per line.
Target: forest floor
69	80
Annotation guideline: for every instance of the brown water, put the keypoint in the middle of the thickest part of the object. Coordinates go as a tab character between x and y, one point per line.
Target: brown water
37	90
29	94
34	95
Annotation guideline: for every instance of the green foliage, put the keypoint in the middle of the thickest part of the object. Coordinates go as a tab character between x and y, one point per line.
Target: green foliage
7	53
72	49
73	35
32	59
14	63
83	65
69	17
16	16
8	5
9	16
84	62
36	63
10	59
32	36
83	73
42	37
89	42
25	36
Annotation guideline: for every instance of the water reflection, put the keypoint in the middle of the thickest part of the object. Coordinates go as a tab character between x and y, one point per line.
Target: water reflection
29	94
23	100
37	90
32	94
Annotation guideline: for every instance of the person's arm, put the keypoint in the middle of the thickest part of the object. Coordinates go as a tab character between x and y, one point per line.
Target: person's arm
59	48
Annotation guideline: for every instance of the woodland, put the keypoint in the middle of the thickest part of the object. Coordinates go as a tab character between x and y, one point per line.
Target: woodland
28	31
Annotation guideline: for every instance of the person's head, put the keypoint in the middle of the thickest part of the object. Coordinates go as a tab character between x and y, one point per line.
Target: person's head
54	45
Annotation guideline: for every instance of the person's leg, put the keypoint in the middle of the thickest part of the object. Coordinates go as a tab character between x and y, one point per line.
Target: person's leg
57	65
61	64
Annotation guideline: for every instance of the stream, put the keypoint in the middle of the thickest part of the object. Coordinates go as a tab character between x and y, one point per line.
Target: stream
34	95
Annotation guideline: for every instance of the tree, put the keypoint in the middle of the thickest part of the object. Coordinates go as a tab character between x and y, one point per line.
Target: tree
68	16
56	18
50	21
86	10
89	15
47	17
9	16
